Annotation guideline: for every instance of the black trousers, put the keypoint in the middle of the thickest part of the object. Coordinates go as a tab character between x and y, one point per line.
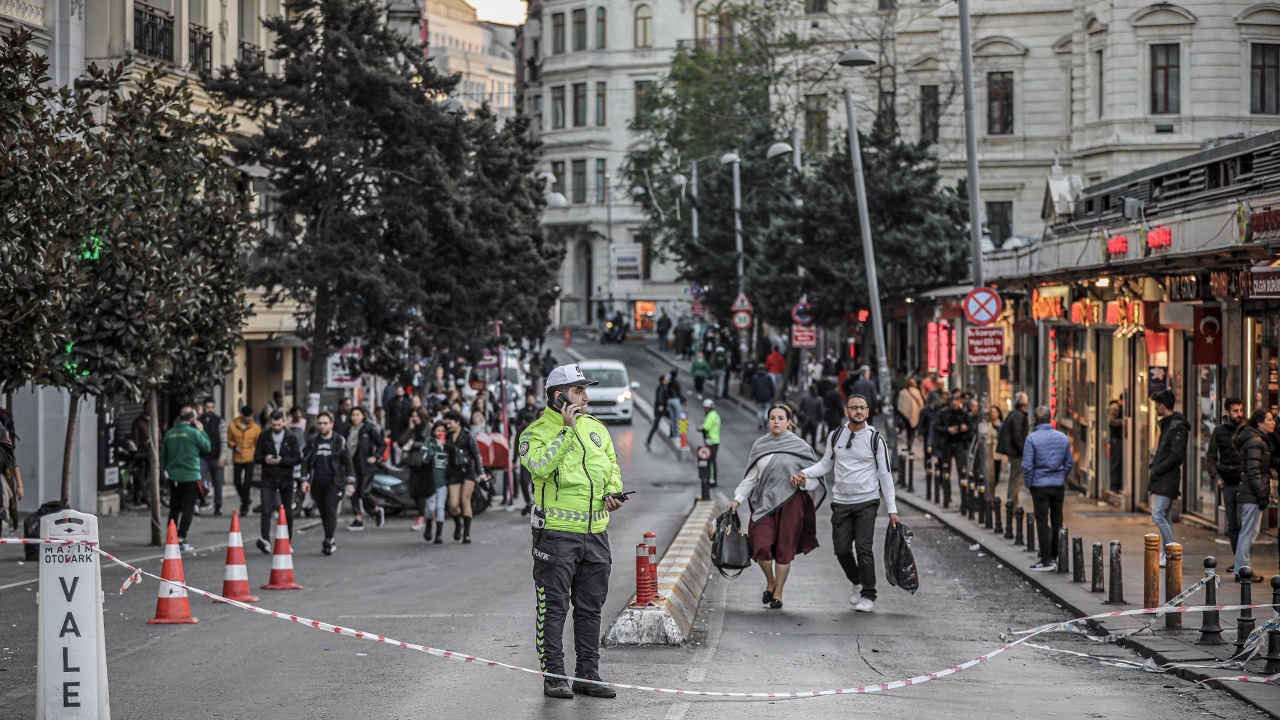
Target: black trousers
362	501
328	498
273	496
182	505
242	476
659	414
1233	513
853	536
809	432
570	568
942	474
1048	509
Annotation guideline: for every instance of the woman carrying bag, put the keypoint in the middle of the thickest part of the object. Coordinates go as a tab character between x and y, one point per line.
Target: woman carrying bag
783	512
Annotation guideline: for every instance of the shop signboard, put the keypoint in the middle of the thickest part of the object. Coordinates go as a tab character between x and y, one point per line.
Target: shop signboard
338	369
932	342
1185	288
984	345
1117	245
1229	284
1049	303
804	336
628	267
1261	226
1161	237
1264	282
1157	379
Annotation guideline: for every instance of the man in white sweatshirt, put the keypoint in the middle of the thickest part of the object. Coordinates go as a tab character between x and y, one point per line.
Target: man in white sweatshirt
860	457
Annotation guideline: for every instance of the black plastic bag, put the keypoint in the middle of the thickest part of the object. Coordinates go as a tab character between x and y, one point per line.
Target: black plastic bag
899	561
31	527
730	549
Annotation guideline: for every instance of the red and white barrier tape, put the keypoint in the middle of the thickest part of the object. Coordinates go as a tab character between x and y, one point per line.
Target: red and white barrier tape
137	573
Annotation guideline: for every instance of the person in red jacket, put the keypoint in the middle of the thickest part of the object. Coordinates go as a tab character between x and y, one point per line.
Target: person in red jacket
776	365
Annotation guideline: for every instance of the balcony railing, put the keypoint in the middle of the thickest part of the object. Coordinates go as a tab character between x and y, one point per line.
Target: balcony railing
710	44
201	48
252	54
152	32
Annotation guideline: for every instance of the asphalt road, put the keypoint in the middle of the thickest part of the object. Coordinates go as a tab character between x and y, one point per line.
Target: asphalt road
478	599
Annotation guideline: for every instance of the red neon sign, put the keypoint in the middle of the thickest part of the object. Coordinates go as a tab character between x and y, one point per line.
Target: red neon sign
944	350
1053	376
1118	245
932	335
1161	237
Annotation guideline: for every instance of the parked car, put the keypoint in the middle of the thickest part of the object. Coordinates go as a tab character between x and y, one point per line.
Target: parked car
485	375
612	398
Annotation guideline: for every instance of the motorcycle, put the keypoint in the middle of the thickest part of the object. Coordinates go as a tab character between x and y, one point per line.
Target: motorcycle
614	332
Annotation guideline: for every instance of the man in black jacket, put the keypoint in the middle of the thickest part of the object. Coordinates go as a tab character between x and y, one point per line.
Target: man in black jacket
953	433
1010	442
212	462
1164	479
328	475
1223	459
278	453
659	408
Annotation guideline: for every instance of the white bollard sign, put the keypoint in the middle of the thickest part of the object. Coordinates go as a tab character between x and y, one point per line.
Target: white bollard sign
71	667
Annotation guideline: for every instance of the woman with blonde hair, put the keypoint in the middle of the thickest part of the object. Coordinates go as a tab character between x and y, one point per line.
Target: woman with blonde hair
783	511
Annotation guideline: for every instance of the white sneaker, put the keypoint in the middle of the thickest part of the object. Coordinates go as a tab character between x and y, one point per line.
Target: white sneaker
1161	559
854	598
864	605
418	525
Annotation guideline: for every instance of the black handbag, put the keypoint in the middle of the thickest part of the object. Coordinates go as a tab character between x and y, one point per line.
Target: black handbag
730	549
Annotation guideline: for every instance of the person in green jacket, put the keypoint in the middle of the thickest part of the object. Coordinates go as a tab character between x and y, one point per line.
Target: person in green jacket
710	428
700	370
435	455
180	453
576	484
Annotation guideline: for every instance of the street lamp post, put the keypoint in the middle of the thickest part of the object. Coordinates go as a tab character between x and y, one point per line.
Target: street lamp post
860	58
971	163
734	159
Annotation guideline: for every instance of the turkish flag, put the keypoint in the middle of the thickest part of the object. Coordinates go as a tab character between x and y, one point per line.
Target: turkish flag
1206	347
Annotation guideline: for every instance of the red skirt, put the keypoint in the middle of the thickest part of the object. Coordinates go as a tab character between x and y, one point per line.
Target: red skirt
791	529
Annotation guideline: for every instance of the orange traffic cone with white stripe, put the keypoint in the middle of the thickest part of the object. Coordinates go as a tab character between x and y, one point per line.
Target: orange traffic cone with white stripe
235	582
171	604
282	559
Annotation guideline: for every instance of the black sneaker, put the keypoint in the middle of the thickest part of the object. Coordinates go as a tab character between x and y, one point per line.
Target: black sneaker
380	518
1044	566
600	691
466	539
328	546
556	688
264	546
356	526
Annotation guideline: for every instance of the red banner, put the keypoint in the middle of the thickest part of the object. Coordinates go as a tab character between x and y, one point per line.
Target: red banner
1206	347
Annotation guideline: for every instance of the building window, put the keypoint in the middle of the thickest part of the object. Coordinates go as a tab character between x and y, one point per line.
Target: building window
643	87
886	4
815	7
600	28
644	27
557	33
1165	79
1000	221
557	169
535	109
602	181
602	93
1264	79
1100	95
701	24
815	124
579	181
1000	103
557	107
248	11
930	110
579	30
579	104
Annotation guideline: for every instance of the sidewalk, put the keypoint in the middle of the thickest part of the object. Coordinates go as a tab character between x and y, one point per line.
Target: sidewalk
128	533
1098	522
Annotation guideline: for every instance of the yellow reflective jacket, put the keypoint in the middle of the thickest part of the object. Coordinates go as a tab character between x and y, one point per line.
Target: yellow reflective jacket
573	469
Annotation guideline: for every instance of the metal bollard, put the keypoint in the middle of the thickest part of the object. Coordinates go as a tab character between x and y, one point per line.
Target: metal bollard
1096	586
984	517
999	515
901	471
964	497
1210	620
1008	519
928	478
911	473
1115	596
1064	550
1273	636
643	596
1077	559
1150	570
1172	583
946	488
1031	534
1244	623
1018	512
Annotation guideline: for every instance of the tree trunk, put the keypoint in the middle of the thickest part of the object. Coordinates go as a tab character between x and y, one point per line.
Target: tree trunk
319	349
157	538
68	450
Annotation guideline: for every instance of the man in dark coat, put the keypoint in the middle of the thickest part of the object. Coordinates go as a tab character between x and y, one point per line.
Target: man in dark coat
1164	479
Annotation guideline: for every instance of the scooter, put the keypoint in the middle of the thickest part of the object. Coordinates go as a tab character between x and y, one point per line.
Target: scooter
614	332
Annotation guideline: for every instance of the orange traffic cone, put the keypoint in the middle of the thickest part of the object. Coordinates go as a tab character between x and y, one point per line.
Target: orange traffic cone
171	604
282	559
235	582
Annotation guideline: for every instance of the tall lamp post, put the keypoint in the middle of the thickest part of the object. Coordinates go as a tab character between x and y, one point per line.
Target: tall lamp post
732	158
856	58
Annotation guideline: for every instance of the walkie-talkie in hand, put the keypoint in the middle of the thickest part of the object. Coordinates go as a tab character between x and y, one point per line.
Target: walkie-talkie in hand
619	496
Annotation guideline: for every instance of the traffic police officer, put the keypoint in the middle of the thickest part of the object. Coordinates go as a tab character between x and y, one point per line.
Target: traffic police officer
571	457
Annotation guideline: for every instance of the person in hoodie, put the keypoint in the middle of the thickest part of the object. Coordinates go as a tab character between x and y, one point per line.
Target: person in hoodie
1165	472
1254	491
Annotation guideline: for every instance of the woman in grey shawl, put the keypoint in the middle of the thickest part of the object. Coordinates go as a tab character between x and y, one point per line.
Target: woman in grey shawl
783	518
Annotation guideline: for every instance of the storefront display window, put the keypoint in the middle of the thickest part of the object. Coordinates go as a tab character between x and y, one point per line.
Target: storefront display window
644	314
1202	413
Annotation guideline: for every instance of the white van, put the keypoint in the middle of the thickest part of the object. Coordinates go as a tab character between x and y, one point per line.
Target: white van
612	398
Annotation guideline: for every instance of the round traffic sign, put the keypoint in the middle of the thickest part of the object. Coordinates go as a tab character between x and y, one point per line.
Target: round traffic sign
982	306
801	313
704	453
742	320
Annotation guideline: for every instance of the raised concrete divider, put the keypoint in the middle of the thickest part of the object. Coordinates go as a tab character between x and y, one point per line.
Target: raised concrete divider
683	573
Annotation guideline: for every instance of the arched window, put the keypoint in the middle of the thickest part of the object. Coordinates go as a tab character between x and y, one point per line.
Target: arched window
644	27
600	27
701	23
